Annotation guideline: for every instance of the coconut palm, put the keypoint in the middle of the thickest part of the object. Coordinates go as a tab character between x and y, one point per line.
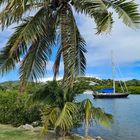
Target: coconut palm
63	112
59	110
41	22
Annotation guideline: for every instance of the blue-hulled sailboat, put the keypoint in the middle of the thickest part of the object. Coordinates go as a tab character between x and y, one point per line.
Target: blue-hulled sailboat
111	92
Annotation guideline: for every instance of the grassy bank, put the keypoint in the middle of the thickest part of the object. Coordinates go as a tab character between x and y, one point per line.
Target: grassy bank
8	132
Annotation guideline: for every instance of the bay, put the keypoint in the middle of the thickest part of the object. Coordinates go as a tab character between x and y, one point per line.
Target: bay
126	114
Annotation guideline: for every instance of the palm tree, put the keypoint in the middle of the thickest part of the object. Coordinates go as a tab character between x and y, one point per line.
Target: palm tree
59	110
63	113
41	22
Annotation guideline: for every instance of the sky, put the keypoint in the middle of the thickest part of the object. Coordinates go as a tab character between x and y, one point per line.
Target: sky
123	41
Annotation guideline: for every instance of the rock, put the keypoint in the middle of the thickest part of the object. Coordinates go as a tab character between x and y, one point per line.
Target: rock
98	138
35	123
89	138
26	127
77	135
20	127
37	129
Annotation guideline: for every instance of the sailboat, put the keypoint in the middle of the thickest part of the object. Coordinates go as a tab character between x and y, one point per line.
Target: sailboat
111	92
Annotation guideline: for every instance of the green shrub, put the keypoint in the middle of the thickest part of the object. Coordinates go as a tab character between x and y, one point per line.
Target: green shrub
16	110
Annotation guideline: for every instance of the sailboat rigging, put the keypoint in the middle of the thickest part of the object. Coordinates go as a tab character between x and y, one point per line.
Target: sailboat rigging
111	92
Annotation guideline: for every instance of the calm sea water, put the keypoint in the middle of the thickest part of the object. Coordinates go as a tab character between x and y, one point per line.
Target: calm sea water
126	114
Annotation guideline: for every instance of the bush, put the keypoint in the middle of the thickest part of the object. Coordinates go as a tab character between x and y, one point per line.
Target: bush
17	110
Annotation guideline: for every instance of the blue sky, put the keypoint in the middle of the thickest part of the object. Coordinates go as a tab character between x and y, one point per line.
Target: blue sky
124	42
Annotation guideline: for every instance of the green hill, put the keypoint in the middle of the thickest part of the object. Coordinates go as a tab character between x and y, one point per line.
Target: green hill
81	84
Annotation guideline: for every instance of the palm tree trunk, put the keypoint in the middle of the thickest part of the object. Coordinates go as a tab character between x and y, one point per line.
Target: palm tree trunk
66	46
63	39
64	135
86	128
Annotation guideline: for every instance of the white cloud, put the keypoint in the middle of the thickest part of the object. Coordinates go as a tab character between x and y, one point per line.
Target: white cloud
50	78
122	40
97	76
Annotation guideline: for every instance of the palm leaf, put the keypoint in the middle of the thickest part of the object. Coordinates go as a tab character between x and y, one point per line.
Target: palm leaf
104	22
57	63
80	60
87	106
127	10
34	64
97	10
101	117
65	120
92	113
16	10
49	117
8	61
13	12
29	30
89	7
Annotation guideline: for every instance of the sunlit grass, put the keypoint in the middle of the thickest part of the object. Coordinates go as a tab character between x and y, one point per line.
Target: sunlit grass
8	132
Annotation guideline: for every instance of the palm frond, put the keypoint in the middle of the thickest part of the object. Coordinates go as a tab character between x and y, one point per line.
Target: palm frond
13	12
87	106
16	10
97	10
127	10
57	63
54	116
16	46
8	61
101	117
49	117
97	114
34	64
104	22
89	7
80	60
65	120
51	94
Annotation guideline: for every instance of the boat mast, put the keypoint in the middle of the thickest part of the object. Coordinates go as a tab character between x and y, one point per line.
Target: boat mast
113	72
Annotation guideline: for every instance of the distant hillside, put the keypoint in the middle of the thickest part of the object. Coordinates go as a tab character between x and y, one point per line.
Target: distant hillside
84	83
14	85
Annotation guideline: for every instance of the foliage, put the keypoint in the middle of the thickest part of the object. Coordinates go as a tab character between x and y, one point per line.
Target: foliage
14	85
83	83
91	114
63	113
134	89
58	109
16	110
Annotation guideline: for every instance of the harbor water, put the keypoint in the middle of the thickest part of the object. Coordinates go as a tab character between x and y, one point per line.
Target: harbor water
126	114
